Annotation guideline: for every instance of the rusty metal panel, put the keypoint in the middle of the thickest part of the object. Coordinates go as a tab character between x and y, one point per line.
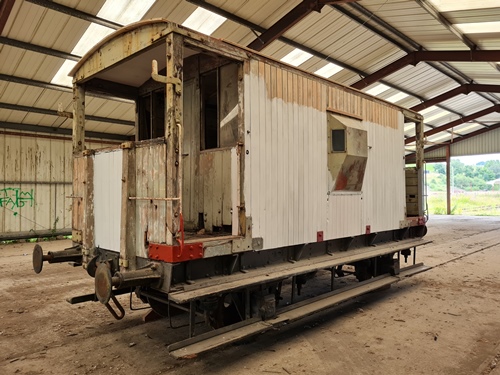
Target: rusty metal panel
107	198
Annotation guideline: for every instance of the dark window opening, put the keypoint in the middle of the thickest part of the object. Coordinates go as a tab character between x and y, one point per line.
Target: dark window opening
210	112
338	140
152	114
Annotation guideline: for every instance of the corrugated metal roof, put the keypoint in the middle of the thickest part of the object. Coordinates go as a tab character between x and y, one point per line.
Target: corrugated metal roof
366	44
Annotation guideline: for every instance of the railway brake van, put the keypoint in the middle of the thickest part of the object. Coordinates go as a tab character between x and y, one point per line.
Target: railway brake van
247	180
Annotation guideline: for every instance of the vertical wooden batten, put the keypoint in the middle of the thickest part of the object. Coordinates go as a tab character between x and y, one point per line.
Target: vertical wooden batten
128	214
78	118
173	115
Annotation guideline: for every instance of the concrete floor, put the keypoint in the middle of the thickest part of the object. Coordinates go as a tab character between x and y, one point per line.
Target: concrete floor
443	321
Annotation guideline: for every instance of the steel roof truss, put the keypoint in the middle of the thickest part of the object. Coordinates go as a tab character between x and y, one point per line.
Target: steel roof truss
289	20
413	58
465	89
484	112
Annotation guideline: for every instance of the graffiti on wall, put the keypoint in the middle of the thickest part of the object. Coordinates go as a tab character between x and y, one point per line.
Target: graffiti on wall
15	198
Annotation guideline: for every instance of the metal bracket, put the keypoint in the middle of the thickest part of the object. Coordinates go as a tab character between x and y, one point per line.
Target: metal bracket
165	79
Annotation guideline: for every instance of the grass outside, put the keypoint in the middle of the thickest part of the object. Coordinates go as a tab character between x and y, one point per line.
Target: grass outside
476	203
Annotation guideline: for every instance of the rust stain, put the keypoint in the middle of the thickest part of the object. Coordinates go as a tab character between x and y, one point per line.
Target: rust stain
341	181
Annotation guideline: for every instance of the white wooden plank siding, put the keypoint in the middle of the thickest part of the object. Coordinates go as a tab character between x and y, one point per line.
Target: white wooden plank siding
107	199
150	215
286	176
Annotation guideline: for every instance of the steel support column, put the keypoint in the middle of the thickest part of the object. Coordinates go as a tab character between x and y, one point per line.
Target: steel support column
448	178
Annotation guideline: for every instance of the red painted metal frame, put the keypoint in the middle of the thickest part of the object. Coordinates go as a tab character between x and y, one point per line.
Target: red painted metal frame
175	253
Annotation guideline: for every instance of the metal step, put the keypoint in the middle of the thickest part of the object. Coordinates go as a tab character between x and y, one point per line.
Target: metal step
191	347
227	283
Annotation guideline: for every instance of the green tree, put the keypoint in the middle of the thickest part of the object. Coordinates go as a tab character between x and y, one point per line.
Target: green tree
439	168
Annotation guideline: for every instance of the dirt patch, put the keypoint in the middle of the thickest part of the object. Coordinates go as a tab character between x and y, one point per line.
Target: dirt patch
444	321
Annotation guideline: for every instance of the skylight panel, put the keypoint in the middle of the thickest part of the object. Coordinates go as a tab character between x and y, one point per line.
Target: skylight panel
90	38
397	97
119	11
469	127
204	21
328	70
451	5
436	116
423	112
479	27
408	127
62	77
124	12
296	57
379	89
438	137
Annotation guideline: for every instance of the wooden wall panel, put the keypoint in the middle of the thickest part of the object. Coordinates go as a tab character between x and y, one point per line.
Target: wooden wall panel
150	214
287	188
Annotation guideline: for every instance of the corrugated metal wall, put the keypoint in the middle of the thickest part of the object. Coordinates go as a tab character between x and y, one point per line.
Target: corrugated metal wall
286	176
35	179
487	143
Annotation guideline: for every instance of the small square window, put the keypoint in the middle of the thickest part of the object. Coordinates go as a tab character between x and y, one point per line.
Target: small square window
338	140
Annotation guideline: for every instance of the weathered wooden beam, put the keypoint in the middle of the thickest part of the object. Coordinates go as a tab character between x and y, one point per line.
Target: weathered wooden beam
78	119
173	126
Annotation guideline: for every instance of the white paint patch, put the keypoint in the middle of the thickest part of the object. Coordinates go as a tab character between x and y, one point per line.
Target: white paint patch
107	199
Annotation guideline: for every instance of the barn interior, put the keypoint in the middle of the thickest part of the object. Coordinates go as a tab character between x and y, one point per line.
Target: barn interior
439	58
